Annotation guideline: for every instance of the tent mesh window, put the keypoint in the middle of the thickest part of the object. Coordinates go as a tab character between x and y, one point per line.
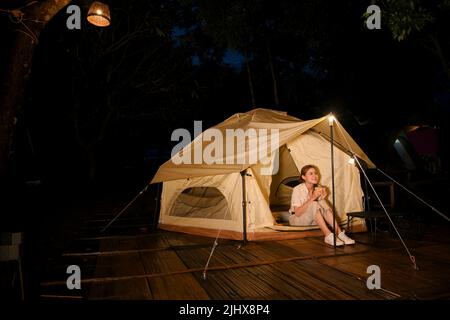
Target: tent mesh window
201	202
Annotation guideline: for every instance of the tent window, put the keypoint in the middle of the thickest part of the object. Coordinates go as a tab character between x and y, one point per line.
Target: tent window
201	202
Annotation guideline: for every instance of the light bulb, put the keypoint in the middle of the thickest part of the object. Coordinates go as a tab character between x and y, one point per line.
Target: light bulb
331	119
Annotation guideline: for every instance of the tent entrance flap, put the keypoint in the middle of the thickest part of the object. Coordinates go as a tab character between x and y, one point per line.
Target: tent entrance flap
283	182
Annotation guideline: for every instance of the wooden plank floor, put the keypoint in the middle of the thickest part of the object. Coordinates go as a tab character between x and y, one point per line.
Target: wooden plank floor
168	265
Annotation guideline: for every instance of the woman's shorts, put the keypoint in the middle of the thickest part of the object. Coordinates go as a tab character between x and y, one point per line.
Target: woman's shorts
308	217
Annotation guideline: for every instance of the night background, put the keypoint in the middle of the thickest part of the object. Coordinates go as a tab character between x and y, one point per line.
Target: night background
87	115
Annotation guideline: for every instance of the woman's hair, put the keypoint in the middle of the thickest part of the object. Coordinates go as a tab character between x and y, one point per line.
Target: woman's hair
305	170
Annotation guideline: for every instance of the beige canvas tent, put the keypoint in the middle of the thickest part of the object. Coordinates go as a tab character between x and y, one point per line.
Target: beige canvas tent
236	196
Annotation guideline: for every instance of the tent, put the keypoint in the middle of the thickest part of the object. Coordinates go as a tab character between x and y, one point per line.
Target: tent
236	197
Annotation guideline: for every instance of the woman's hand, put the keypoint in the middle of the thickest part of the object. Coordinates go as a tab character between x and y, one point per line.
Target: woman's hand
324	193
316	194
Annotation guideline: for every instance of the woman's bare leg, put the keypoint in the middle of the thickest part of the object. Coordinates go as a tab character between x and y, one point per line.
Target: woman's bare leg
329	218
321	223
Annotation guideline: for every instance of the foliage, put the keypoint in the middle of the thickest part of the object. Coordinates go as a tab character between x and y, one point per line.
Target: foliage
403	17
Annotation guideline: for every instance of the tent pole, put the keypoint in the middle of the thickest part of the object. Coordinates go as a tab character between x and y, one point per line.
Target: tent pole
156	211
244	206
330	122
367	198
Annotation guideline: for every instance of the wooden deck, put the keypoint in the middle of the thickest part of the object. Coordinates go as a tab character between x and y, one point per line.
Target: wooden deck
139	264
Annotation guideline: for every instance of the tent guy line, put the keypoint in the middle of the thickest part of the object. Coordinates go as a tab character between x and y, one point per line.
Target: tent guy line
411	257
414	195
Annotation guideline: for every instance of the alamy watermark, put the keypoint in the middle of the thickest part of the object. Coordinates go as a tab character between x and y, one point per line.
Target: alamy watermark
373	20
227	146
74	280
374	280
73	22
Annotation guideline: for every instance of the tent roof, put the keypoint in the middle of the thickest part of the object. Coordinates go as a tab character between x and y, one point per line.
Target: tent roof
289	127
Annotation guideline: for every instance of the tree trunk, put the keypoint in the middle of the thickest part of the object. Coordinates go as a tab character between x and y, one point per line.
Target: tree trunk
12	92
272	71
250	83
18	69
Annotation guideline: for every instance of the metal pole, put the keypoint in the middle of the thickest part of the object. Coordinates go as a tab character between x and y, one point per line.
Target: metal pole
330	122
367	199
156	211
244	206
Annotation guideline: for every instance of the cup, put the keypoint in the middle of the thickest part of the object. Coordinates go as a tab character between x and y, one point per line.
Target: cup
320	190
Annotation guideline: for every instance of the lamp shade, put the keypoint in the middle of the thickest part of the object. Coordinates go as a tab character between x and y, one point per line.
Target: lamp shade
99	15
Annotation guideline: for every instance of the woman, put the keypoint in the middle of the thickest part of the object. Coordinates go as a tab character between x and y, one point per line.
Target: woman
308	207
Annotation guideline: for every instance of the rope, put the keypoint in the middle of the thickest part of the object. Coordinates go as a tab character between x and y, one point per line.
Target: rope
416	196
411	257
336	143
216	243
123	210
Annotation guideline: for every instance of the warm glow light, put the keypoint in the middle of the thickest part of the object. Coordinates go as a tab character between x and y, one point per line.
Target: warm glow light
351	161
99	14
331	119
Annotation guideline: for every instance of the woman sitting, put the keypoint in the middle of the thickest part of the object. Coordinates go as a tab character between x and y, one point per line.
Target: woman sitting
308	207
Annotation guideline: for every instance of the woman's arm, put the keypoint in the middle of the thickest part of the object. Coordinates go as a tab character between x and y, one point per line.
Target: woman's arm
301	209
